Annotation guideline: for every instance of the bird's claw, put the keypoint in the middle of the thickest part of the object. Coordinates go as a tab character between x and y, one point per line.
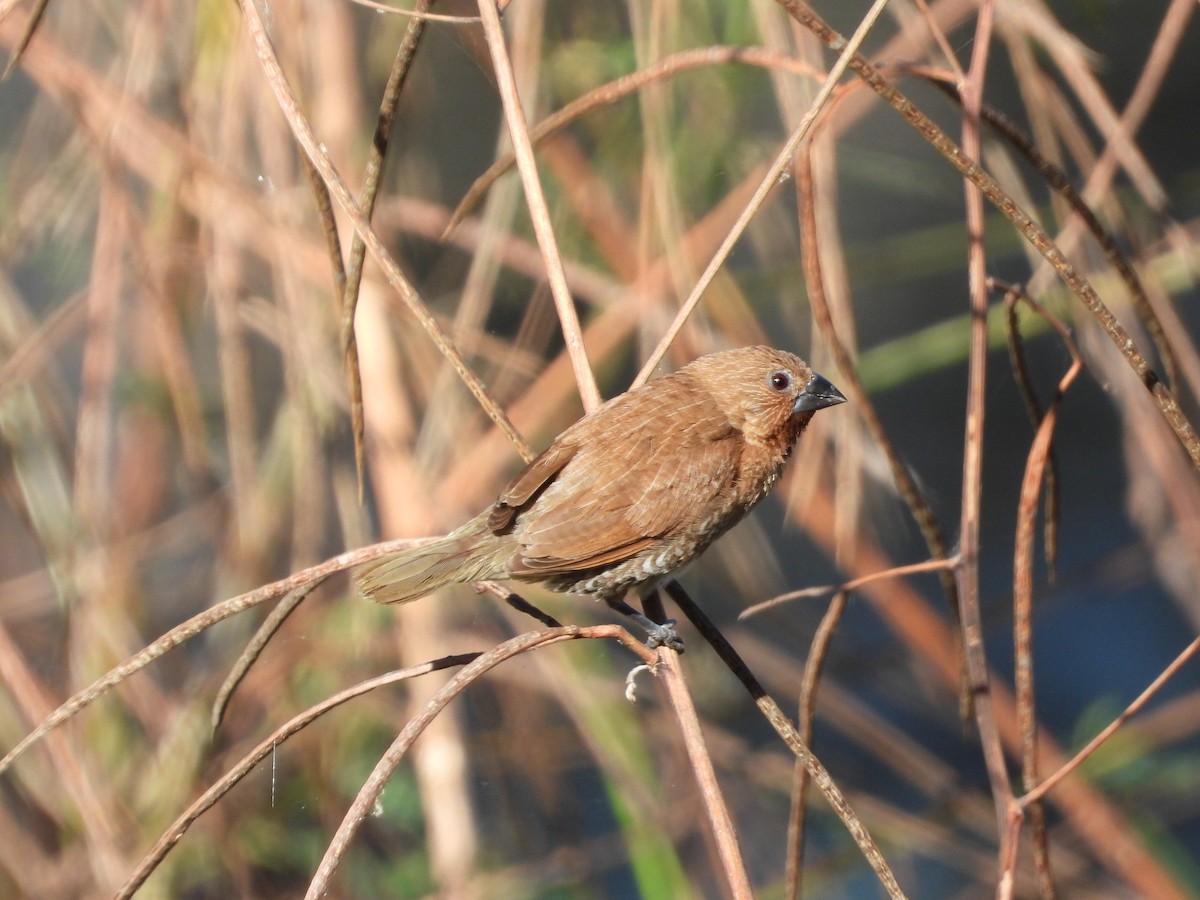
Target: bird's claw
660	635
665	635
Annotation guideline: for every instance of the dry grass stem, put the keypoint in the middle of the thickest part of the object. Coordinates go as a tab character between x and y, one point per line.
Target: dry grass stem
1071	276
848	50
1036	794
266	747
794	870
306	138
535	197
725	834
234	343
787	731
931	565
369	794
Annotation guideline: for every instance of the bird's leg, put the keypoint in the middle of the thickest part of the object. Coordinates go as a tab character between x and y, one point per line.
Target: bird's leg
521	605
661	634
652	606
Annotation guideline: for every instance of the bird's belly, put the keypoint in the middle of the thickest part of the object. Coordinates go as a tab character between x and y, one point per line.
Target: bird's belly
649	566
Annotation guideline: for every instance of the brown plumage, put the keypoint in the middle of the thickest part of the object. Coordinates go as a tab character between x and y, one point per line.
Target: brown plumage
632	491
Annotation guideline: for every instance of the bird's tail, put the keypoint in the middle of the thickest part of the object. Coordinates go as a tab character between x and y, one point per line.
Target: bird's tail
470	553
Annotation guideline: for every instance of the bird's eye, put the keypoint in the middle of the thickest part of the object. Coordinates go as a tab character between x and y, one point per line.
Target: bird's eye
780	381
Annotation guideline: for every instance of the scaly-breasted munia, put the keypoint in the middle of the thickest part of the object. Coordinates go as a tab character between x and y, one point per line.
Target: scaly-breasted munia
632	491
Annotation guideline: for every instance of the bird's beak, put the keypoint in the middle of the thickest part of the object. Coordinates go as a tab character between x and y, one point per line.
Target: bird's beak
817	394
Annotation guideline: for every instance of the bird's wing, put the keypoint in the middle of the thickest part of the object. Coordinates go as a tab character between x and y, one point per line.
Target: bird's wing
659	465
532	479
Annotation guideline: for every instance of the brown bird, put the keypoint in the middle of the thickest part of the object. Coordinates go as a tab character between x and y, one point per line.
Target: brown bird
632	491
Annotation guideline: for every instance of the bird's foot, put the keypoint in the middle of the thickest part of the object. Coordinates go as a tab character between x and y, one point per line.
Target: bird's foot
659	635
663	635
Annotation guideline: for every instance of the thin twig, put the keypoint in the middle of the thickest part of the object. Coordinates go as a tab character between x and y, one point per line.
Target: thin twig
210	797
251	652
1029	229
517	602
1095	743
539	212
973	651
972	489
768	184
1036	473
786	730
304	135
352	276
794	861
930	565
725	834
368	795
1020	367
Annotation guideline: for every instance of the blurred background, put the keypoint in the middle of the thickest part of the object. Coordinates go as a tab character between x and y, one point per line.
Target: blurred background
175	430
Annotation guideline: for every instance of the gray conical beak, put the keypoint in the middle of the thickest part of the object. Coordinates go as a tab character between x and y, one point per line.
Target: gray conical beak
817	394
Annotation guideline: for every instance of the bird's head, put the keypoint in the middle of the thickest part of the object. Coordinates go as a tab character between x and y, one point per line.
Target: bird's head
766	393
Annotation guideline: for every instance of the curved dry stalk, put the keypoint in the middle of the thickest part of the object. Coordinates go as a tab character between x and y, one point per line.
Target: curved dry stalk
210	797
351	275
1095	743
914	499
930	565
310	577
787	731
1059	182
368	795
1020	368
1079	285
333	243
251	652
333	248
1036	473
766	185
303	133
607	94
